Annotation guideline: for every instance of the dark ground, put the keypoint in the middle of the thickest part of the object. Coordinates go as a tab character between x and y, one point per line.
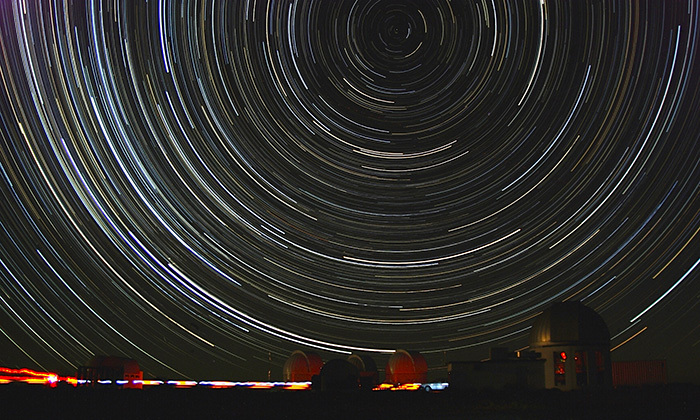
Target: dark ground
663	402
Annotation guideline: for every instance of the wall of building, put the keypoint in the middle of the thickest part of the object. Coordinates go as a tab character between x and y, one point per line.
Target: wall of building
592	367
497	374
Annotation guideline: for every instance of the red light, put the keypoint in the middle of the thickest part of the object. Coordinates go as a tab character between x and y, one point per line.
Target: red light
562	355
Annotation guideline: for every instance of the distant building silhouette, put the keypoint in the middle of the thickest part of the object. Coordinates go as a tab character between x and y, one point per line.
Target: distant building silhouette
118	371
338	375
502	370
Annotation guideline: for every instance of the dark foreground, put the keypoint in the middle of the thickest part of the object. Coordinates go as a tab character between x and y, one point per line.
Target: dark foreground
667	402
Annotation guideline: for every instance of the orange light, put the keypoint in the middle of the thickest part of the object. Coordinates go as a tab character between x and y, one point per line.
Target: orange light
27	372
297	386
28	376
392	387
71	380
407	387
148	382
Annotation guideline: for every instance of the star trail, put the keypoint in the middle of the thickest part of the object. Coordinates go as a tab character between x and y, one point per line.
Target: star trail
206	186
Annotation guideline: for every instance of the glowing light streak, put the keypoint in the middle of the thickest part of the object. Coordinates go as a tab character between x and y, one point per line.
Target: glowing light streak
628	340
666	293
434	260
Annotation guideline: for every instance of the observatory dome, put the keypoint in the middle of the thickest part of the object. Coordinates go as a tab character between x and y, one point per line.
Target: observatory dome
406	367
574	342
301	366
367	370
569	323
363	363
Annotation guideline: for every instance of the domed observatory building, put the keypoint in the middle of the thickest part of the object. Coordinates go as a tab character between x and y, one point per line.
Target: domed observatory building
367	370
574	341
406	367
301	366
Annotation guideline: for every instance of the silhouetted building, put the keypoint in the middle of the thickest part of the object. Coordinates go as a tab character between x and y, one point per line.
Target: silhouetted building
406	367
301	366
339	375
503	370
113	370
574	341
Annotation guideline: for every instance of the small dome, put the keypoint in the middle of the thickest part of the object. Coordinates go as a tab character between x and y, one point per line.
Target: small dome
301	366
363	363
569	323
366	370
406	367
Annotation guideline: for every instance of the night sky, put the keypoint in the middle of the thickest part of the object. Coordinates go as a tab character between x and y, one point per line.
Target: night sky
208	186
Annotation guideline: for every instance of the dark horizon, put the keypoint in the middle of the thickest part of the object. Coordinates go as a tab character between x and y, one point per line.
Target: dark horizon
207	187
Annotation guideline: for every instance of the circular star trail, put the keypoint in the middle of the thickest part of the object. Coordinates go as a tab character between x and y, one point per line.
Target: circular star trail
206	186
